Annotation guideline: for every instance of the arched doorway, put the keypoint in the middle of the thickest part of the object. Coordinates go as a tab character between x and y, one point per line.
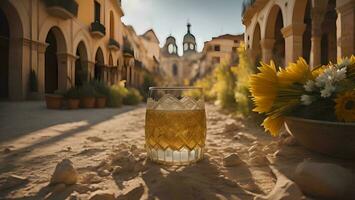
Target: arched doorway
51	63
307	35
4	55
256	48
99	63
279	46
273	33
81	68
328	38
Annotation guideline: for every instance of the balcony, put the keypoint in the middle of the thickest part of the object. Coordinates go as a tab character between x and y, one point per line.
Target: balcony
113	44
246	5
64	9
97	29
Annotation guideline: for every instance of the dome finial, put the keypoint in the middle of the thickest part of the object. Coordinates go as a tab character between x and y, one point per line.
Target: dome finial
188	27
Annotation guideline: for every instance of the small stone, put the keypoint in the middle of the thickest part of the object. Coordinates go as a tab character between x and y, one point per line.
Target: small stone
324	180
236	137
133	193
231	125
90	178
64	173
12	181
232	160
255	147
104	173
258	160
102	195
229	149
7	150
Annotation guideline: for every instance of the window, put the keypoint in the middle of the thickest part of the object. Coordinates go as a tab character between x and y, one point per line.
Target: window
175	70
112	25
236	41
234	49
217	48
186	46
192	47
216	59
171	48
97	11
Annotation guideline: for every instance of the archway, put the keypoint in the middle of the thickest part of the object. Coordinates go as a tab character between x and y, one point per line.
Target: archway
99	63
256	48
4	55
81	66
273	31
328	39
51	64
13	76
307	35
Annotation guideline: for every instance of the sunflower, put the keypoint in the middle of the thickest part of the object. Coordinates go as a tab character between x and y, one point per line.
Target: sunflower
273	124
345	106
298	72
263	87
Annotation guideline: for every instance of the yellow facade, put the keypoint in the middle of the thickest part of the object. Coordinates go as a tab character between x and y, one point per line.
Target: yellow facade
58	43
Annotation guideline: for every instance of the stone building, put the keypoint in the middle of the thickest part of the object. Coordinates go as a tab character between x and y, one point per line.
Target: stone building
318	30
59	44
176	69
219	49
144	58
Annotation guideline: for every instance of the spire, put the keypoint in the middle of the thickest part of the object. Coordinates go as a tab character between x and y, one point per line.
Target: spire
188	27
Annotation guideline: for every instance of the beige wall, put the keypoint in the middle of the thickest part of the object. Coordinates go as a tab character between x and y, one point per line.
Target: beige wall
31	22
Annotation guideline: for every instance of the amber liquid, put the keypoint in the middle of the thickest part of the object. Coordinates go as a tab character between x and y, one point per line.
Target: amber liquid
174	131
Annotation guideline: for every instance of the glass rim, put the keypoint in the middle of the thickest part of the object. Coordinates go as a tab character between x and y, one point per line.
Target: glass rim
176	88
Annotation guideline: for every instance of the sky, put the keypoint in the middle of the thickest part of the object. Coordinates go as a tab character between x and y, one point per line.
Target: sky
209	18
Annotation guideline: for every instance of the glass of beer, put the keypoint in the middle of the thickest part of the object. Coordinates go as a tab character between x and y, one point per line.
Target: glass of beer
175	125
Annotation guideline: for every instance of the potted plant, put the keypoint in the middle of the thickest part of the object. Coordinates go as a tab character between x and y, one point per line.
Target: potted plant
33	83
316	106
72	96
87	96
54	101
102	92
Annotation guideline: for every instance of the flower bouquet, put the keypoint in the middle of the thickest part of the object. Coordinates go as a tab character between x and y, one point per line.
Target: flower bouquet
325	95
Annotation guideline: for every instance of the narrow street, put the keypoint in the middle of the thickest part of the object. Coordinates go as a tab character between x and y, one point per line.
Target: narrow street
99	142
36	139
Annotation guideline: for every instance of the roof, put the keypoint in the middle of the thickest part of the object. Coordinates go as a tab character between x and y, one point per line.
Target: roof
230	37
148	33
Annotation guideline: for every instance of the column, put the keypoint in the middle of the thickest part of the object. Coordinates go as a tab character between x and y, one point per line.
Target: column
266	47
293	35
66	71
91	69
317	19
346	28
41	50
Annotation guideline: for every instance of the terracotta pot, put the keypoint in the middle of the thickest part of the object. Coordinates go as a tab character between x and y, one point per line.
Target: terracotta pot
331	138
73	103
53	101
87	102
101	102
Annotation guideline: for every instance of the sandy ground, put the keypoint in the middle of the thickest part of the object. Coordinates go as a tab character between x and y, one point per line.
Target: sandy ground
33	140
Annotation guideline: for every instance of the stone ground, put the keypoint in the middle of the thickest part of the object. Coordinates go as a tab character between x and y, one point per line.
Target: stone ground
106	146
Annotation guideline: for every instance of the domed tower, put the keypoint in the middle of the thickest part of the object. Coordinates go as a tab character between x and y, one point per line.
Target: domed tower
170	47
189	43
